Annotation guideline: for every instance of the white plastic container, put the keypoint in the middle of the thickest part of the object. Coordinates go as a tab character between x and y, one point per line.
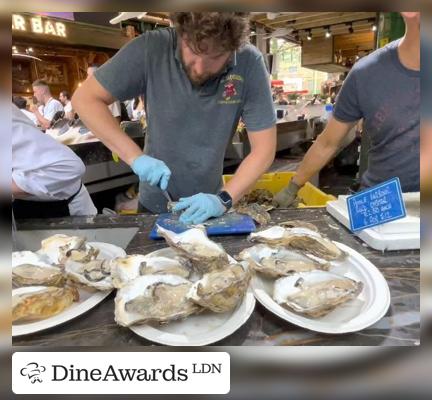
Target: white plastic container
402	234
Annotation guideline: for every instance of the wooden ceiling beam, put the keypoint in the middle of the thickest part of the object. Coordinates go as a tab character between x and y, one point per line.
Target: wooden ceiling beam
331	20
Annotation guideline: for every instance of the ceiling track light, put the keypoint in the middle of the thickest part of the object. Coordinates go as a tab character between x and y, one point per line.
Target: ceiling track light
350	28
328	32
309	34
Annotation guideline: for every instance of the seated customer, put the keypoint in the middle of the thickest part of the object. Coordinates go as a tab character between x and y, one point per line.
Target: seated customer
21	103
50	108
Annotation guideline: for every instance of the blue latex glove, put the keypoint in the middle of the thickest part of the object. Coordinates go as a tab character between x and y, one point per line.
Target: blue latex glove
199	208
151	170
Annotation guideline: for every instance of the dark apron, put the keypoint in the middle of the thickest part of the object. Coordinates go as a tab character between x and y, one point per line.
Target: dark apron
42	209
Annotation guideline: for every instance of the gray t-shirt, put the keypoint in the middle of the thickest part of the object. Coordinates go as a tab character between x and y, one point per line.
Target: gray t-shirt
387	95
188	127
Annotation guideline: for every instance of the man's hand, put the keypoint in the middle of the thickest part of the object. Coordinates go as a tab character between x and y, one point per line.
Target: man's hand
151	170
288	195
33	108
199	208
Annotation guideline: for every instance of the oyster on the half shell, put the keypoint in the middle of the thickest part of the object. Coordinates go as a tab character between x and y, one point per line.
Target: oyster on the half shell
296	223
256	211
83	255
29	305
94	273
275	262
57	247
154	298
126	269
315	293
194	245
221	291
311	242
32	269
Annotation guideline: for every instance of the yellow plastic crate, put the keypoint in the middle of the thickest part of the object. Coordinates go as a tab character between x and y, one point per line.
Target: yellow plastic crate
310	195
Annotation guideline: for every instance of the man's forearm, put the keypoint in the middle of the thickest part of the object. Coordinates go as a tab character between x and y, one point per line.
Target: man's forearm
105	127
315	159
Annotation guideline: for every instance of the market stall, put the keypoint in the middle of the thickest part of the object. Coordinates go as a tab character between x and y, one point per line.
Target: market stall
262	256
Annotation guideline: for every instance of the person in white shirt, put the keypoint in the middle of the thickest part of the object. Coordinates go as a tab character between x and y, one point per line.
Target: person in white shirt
46	175
115	107
51	106
64	98
21	103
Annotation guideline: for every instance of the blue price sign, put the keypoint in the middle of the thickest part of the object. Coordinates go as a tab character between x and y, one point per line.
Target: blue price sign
376	205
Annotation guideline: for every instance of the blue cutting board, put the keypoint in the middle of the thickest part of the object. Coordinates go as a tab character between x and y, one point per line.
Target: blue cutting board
228	224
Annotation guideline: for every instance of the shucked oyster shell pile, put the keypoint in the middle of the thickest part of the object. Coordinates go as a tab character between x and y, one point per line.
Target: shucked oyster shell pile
157	289
299	258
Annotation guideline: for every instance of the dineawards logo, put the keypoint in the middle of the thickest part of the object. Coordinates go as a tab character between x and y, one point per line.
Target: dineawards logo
33	371
112	374
120	372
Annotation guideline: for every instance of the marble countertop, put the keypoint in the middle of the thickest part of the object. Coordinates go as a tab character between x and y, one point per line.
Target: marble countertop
399	327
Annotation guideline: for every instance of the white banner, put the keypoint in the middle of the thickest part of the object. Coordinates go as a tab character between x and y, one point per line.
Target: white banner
120	373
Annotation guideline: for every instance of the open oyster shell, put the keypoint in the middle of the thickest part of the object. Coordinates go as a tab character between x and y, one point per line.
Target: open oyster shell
315	293
194	245
221	291
94	273
57	247
256	211
304	239
295	223
126	269
32	269
83	255
275	262
29	305
154	298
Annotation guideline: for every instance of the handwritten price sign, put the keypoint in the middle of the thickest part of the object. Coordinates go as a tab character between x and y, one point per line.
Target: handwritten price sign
377	205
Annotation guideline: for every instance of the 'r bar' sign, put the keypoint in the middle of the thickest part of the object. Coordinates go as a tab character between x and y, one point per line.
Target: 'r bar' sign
376	205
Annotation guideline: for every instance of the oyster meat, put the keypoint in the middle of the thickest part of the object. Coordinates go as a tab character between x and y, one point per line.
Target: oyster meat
255	211
275	262
154	298
315	293
57	247
94	273
194	245
31	269
221	291
295	223
126	269
309	241
88	253
32	305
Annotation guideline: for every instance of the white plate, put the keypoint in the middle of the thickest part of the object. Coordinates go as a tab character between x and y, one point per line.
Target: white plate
88	298
197	330
368	308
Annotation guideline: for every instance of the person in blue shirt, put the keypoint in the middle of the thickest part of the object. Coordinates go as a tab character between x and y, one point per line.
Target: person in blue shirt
383	89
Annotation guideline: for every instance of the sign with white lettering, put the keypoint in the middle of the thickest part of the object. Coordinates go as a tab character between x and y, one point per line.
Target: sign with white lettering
377	205
38	25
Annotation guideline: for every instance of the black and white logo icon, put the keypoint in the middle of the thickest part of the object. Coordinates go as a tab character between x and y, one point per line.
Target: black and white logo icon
33	371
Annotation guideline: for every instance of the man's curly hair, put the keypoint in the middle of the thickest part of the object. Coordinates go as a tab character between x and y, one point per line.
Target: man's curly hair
230	30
